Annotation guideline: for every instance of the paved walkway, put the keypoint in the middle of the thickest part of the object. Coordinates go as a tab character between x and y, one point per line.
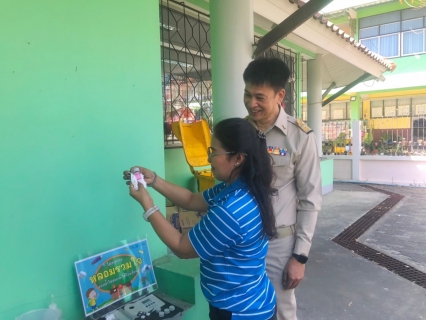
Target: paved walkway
339	284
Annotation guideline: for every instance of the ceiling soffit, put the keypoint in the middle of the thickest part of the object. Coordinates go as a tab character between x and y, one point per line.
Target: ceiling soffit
323	36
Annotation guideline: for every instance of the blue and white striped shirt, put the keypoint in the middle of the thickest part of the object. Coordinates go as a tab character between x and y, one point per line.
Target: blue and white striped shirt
232	249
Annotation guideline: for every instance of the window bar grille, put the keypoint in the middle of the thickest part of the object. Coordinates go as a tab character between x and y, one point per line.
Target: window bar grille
402	131
289	57
185	54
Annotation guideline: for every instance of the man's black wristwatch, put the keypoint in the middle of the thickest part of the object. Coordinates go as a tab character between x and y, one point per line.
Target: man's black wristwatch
300	258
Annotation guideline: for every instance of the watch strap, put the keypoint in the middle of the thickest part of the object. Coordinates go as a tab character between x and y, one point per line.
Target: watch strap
153	181
150	211
302	259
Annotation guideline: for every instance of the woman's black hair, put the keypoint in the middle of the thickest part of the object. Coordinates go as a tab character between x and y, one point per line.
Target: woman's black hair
239	136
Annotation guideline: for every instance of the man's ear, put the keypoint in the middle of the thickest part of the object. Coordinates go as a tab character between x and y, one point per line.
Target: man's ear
281	95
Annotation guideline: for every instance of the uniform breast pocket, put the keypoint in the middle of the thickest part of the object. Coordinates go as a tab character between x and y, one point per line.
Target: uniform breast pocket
282	167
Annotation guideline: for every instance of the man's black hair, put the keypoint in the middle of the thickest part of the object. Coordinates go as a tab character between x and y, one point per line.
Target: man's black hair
271	72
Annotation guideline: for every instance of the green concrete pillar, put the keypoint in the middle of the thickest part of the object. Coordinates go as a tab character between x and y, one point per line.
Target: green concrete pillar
314	94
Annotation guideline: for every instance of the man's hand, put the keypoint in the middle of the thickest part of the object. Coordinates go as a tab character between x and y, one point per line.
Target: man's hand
293	274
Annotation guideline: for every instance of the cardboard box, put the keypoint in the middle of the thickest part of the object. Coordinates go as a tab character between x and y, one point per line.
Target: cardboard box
172	215
182	219
188	219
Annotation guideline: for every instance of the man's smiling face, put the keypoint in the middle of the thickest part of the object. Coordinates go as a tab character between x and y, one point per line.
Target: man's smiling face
262	102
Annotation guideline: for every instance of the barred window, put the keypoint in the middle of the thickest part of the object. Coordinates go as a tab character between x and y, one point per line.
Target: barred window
186	68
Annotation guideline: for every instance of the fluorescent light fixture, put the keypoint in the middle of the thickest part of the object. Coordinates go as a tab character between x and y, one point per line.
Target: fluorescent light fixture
182	64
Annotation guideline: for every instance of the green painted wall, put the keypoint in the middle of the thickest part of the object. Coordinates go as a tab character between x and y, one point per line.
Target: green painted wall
80	89
380	8
409	64
326	172
182	278
177	169
355	108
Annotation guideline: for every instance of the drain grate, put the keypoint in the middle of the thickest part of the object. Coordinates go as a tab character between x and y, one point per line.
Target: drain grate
349	240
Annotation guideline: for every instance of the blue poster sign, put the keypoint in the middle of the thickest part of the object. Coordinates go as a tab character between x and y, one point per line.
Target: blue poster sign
113	275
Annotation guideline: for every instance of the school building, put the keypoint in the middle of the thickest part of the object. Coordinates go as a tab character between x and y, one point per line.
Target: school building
90	88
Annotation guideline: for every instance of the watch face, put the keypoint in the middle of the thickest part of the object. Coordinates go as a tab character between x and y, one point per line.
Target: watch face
303	259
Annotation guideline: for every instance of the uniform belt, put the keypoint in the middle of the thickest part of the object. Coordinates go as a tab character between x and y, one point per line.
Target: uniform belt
285	231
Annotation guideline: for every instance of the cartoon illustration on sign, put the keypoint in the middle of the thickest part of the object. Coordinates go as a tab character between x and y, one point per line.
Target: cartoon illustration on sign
91	297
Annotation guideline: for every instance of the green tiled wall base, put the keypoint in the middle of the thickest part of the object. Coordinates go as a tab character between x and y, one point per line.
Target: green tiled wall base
180	279
201	309
327	175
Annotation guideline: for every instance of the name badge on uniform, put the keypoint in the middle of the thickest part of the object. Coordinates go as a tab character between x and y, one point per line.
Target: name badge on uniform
277	151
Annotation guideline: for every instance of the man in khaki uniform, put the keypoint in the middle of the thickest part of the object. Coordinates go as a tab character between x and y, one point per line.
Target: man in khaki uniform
296	163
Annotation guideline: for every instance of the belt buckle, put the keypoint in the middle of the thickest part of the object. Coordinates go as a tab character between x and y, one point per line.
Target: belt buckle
286	231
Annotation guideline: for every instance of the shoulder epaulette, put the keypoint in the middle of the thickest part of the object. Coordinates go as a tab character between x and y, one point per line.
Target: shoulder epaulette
303	126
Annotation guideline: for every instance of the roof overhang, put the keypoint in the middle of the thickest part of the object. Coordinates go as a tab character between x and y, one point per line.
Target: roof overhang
344	60
293	21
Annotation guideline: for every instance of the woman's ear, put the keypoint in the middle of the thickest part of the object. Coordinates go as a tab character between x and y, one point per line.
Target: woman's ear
239	159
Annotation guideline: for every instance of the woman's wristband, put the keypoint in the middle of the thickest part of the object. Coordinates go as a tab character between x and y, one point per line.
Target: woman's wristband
150	211
153	181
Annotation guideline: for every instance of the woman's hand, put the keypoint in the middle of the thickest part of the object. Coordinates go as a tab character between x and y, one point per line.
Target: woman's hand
141	195
148	175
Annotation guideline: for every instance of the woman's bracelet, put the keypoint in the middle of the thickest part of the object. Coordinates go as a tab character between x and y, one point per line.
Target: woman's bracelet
153	181
150	211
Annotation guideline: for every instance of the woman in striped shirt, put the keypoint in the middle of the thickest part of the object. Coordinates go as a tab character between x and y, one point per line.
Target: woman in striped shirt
231	240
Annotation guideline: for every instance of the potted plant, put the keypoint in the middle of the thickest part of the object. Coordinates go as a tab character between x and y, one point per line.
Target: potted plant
368	142
339	143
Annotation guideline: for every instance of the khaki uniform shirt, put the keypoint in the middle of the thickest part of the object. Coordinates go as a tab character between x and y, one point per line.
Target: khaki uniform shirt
298	178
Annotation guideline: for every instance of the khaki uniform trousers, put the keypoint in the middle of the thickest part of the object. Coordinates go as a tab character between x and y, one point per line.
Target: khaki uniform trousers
279	252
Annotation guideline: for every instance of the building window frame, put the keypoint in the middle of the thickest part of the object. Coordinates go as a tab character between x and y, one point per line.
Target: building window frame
423	31
379	45
379	33
412	109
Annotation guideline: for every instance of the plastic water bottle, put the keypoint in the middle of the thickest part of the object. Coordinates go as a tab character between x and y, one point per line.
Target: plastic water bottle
53	313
